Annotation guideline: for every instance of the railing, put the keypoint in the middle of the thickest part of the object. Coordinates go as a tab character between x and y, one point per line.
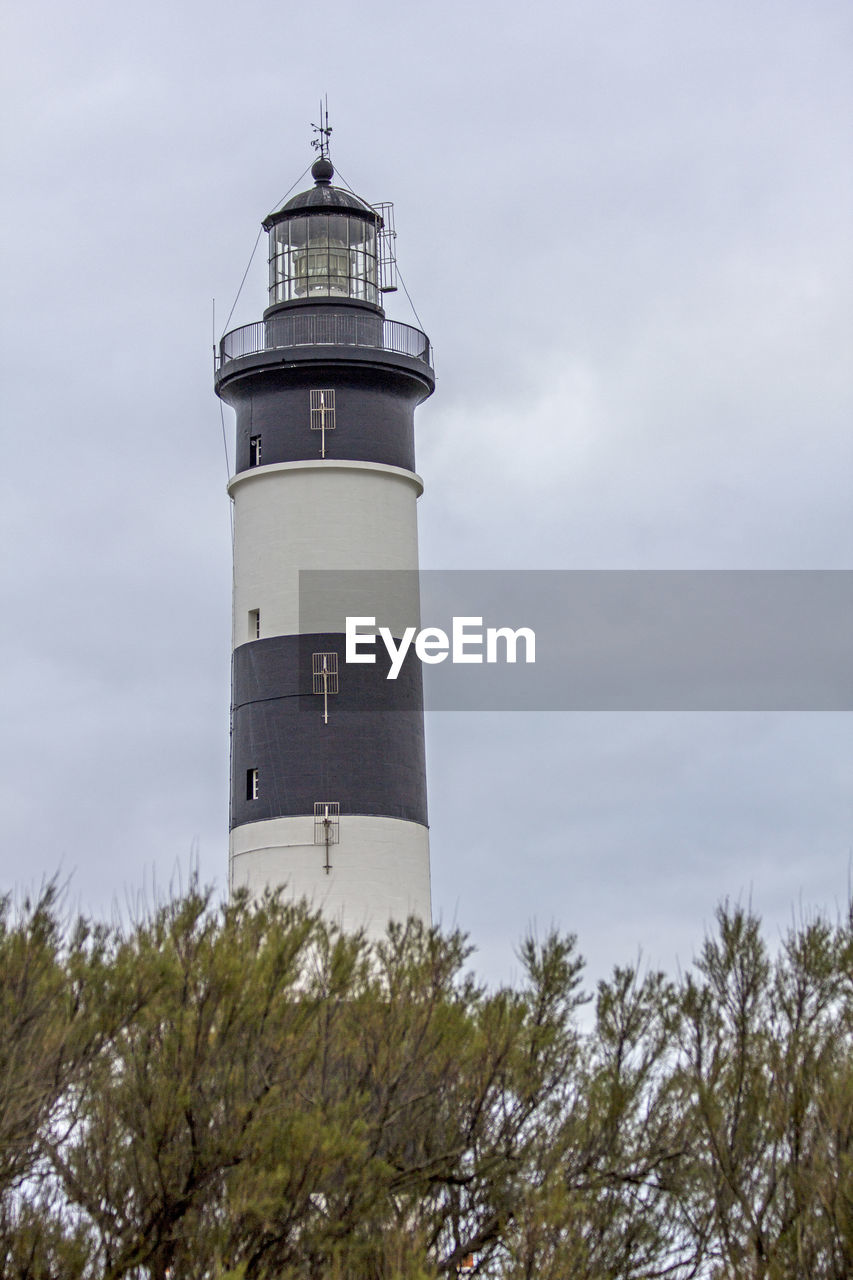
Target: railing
341	330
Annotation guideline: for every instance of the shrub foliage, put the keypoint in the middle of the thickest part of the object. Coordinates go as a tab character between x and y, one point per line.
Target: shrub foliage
241	1092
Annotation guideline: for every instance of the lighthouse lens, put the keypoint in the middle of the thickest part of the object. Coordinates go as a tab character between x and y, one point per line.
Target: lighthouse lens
325	255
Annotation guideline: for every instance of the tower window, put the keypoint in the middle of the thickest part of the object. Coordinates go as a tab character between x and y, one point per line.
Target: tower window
324	678
327	822
324	672
252	787
254	624
323	414
254	451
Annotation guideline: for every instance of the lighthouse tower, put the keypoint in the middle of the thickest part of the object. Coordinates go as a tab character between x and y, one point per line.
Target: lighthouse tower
328	781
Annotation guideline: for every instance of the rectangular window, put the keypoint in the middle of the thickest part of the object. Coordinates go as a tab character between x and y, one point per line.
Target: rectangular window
324	672
254	451
323	409
327	822
323	415
254	624
324	678
252	788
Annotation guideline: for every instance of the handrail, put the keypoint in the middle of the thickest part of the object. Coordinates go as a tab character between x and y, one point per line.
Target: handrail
341	330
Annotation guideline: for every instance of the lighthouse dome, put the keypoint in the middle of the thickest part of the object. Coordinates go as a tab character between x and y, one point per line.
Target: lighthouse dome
321	198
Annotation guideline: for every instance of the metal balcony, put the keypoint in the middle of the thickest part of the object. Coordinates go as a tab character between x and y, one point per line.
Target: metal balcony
341	330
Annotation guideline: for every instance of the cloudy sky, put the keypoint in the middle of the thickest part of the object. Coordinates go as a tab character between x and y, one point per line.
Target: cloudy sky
626	228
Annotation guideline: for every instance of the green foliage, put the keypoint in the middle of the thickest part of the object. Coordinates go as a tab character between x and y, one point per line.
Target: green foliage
241	1092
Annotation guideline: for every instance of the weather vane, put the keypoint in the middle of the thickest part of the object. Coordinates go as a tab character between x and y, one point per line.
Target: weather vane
323	130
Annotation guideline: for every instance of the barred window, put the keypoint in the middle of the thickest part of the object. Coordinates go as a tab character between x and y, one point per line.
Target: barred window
327	822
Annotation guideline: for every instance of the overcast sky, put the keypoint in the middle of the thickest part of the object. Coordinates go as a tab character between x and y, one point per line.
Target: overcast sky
626	228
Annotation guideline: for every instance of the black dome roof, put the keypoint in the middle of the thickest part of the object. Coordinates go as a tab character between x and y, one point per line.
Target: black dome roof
321	197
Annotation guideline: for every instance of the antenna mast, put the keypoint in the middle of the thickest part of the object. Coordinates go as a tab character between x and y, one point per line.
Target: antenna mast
323	130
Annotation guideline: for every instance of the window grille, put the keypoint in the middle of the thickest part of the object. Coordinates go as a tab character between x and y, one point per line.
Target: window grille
252	785
327	822
324	672
254	451
323	415
324	678
327	827
254	624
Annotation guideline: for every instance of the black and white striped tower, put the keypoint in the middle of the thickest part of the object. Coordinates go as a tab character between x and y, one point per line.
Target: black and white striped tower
328	781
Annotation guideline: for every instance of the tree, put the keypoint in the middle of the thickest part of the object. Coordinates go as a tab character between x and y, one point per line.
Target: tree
242	1092
766	1074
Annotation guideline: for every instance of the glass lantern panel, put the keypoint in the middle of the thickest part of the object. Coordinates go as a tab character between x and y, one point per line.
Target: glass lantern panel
323	255
318	229
295	231
299	274
358	228
338	230
317	259
369	238
339	273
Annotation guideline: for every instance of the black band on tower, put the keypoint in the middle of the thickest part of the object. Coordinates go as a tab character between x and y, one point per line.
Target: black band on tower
369	756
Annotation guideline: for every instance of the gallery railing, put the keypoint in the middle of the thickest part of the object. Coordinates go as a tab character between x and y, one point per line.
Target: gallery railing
340	330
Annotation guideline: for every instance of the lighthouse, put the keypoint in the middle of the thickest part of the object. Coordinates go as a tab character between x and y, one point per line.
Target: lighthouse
328	778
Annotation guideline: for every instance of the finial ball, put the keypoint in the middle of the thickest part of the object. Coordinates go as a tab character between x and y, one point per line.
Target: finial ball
322	170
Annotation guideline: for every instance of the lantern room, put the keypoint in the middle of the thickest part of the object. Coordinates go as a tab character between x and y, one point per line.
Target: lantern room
323	246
